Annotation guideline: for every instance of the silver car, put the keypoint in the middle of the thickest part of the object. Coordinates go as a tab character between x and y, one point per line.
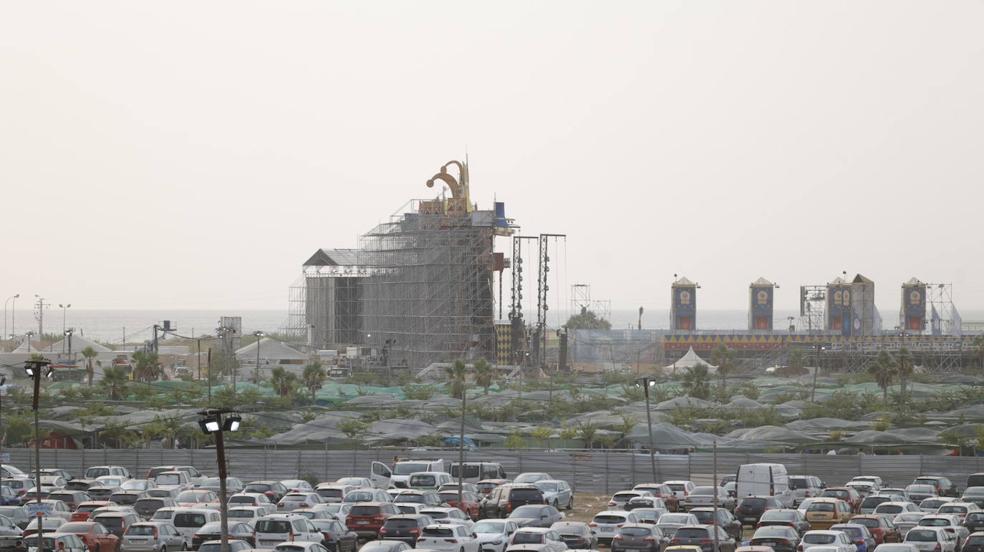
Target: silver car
152	536
556	493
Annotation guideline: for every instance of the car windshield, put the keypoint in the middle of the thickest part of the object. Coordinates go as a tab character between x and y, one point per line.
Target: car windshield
242	499
691	533
163	514
752	502
354	496
240	513
836	493
819	538
140	530
853	532
772	531
872	501
526	494
407	468
867	522
778	515
821	507
703	491
422	480
952	509
634	532
609	519
438	532
168	479
549	487
920	535
289	548
273	526
798	483
297	498
668	518
257	487
110	521
489	527
888	509
192	496
365	510
921	489
934	522
528	537
527	511
189	519
678	486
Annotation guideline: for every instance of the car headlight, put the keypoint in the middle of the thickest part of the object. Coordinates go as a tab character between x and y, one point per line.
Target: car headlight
497	542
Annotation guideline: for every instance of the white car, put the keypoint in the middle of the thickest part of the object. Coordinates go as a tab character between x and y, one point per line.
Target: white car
297	485
278	528
246	514
869	478
621	498
299	547
367	495
681	488
536	539
892	509
557	493
605	524
931	539
357	482
532	477
258	500
905	521
897	547
931	504
960	509
292	501
139	485
669	523
827	538
493	534
172	480
950	522
449	516
333	492
446	536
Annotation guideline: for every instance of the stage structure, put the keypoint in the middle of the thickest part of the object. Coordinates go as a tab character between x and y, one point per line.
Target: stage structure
683	305
761	300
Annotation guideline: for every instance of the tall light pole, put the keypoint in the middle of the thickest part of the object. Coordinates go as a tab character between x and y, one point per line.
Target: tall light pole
29	335
3	380
34	369
9	299
40	306
64	309
646	383
256	370
216	422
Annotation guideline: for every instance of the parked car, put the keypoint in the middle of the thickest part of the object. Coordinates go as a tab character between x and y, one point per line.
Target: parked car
233	485
645	502
139	485
429	480
536	515
557	493
213	531
332	492
814	540
974	543
278	528
781	538
786	517
99	471
63	542
10	533
858	534
680	488
824	512
649	515
335	536
669	523
944	487
300	485
72	499
931	539
294	500
880	527
94	535
15	514
531	477
704	496
372	546
620	499
427	498
246	514
847	494
152	536
720	517
116	522
905	521
864	488
189	520
605	524
367	518
974	521
486	486
493	534
197	498
750	508
805	486
362	495
575	534
663	491
918	492
469	502
703	536
959	509
869	503
404	527
892	509
506	498
638	536
242	546
274	490
442	536
146	506
259	500
931	504
536	539
948	522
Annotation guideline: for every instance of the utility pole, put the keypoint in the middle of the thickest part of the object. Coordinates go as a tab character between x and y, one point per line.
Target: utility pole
461	439
213	423
34	369
646	384
64	307
256	371
40	306
717	527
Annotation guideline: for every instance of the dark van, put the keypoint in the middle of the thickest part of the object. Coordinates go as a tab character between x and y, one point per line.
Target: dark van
504	499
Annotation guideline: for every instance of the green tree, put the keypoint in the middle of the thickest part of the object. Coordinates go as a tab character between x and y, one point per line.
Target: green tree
588	431
283	382
883	370
696	382
89	354
484	374
587	320
542	434
19	429
147	366
314	378
628	422
353	429
514	441
115	381
457	383
723	357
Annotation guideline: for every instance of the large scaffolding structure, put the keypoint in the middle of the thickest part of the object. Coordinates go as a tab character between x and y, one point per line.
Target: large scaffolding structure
417	290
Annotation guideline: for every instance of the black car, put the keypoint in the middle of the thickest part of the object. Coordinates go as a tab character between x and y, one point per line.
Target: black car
637	536
706	516
974	522
213	531
974	543
751	508
703	536
274	490
944	487
780	538
335	536
507	498
404	527
536	515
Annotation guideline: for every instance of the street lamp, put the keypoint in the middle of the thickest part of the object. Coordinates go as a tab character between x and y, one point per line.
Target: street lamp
216	422
29	335
646	382
256	371
36	369
64	309
14	299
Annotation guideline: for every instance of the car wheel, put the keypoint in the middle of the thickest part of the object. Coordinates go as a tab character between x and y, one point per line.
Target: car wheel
570	504
163	549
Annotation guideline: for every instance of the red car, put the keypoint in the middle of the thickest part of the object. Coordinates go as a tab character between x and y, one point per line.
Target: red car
85	509
469	500
879	527
485	486
94	535
367	518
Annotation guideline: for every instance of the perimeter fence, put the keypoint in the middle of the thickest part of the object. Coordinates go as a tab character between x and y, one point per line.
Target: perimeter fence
597	471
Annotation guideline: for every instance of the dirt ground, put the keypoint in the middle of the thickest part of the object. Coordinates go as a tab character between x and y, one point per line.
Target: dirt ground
586	506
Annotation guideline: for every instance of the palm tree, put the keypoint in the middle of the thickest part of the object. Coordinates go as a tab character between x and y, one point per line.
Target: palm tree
723	357
115	379
588	432
283	382
457	373
147	366
314	378
695	382
483	374
352	429
89	354
884	372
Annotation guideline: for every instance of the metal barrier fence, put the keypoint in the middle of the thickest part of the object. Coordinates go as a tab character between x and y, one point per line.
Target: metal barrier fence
595	471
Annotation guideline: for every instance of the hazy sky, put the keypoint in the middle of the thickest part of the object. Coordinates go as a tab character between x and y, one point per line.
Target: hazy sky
193	154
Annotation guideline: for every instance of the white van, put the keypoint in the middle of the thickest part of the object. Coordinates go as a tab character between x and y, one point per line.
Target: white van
429	480
764	480
272	530
477	471
190	520
403	469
